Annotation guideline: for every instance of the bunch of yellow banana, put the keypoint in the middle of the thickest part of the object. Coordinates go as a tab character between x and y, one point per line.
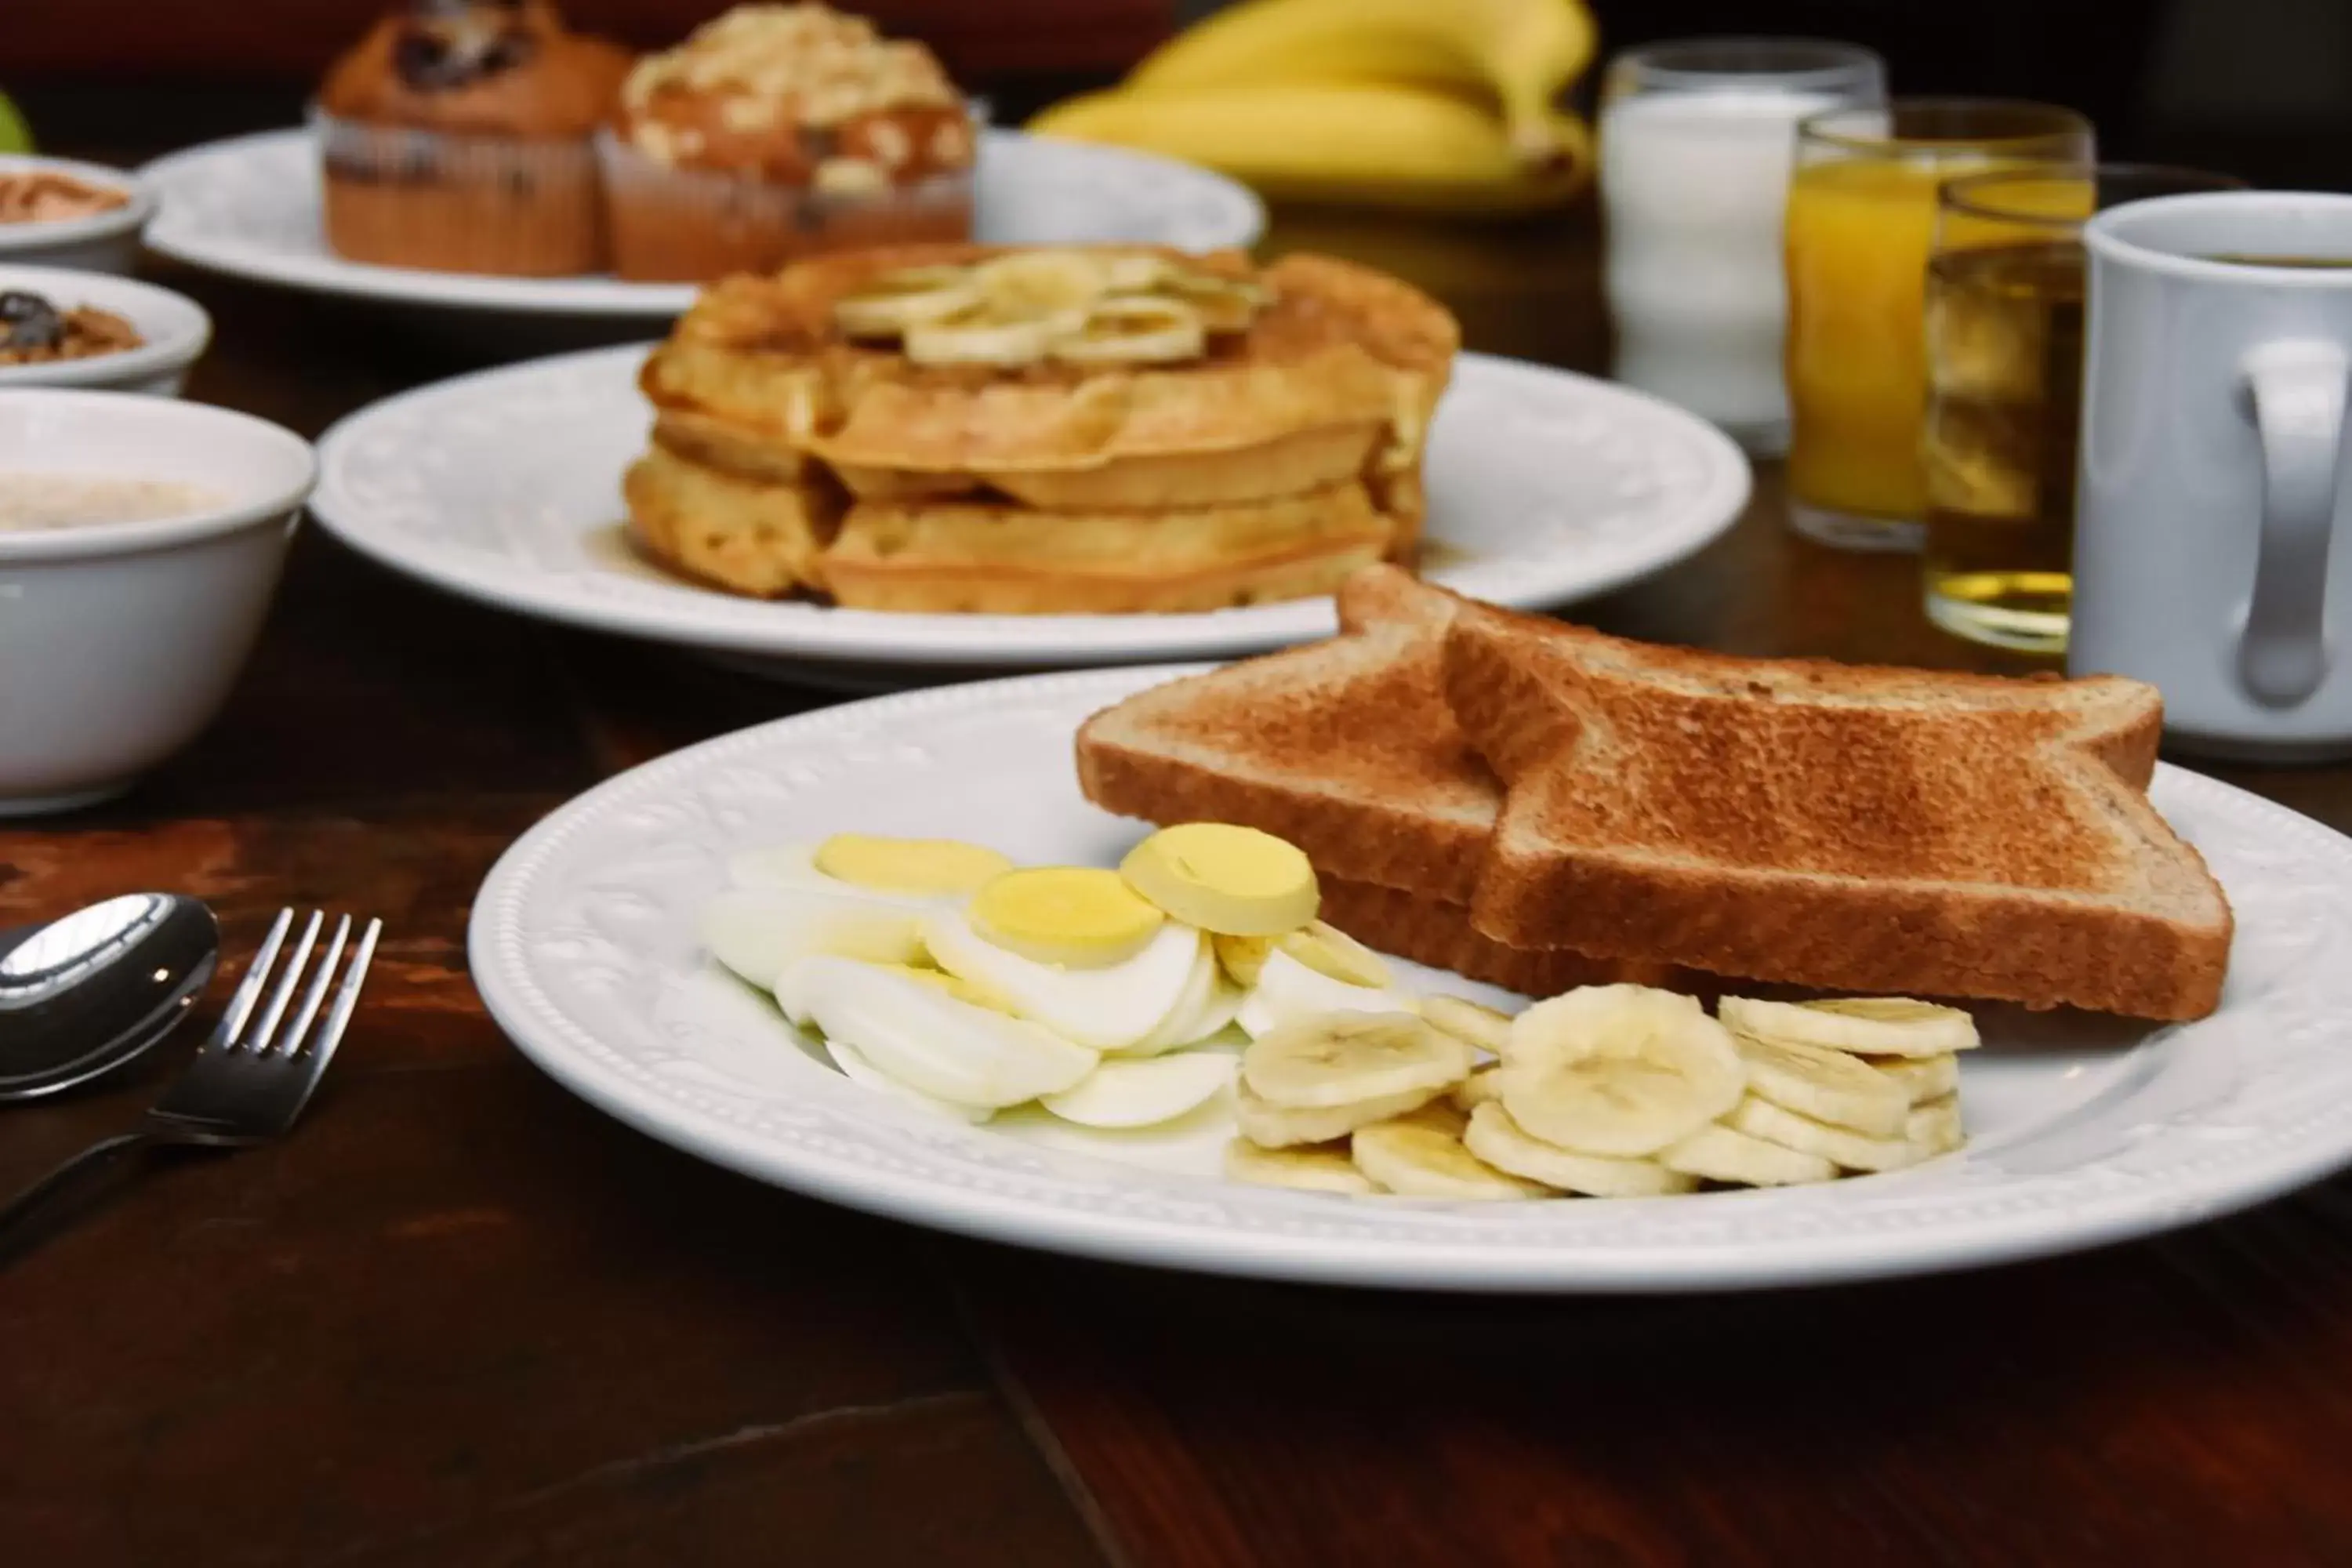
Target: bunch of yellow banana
1452	105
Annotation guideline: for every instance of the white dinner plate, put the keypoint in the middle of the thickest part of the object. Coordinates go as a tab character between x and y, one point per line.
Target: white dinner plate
505	486
2083	1129
248	206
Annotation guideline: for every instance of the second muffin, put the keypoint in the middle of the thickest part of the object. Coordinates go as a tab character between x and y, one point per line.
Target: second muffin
777	132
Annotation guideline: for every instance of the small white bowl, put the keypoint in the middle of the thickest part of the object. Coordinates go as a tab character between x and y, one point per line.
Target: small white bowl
119	641
174	327
104	242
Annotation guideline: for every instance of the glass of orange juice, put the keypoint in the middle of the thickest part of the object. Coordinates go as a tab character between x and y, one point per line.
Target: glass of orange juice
1861	220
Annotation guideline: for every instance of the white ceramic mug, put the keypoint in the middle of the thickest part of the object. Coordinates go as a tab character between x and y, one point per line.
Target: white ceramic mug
2211	551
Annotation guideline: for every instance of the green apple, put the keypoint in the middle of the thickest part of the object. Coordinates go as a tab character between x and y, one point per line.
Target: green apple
16	136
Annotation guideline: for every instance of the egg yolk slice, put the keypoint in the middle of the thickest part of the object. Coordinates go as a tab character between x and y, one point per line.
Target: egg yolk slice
931	867
1079	916
1228	880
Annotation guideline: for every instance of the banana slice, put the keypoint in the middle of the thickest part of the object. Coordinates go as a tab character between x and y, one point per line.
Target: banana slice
1618	1069
1503	1143
1141	273
1287	990
1313	1168
1134	329
1923	1078
1228	880
1142	1092
1935	1126
1273	1127
1855	1151
1328	950
1223	305
1720	1154
891	303
982	334
1344	1058
1480	1087
1828	1085
1481	1027
1864	1025
1414	1160
1441	1115
1053	286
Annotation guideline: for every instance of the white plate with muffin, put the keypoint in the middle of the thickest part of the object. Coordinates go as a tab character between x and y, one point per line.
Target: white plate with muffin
486	156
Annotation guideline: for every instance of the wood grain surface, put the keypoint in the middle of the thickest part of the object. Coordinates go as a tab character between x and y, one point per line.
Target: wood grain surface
459	1319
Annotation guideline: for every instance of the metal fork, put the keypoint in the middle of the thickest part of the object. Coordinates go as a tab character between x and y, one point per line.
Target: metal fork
247	1084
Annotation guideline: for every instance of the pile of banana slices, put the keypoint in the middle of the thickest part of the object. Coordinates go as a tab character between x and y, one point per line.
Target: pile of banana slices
1028	306
1605	1091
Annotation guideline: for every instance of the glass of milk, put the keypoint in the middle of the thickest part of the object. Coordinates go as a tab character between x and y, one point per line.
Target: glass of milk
1697	140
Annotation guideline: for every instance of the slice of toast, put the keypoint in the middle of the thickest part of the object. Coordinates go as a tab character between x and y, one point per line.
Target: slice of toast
1347	748
1833	826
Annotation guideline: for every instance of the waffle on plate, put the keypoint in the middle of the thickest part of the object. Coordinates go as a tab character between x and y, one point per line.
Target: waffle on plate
1066	430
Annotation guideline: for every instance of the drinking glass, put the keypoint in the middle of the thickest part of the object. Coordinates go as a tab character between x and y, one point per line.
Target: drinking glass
1862	215
2004	336
1698	139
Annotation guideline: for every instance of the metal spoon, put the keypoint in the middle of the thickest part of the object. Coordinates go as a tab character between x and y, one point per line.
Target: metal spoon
82	995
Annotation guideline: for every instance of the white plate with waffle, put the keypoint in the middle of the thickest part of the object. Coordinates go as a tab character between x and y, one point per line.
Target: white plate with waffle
505	486
2082	1129
249	207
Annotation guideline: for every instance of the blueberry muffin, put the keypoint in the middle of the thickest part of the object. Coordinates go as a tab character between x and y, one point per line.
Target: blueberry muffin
458	136
777	132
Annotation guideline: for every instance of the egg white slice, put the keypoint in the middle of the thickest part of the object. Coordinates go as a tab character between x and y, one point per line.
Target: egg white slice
1106	1009
865	1075
1199	1011
928	1040
1132	1092
757	933
1287	989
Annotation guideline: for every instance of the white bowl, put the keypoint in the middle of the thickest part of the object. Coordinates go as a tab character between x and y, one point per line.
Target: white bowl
119	641
105	242
175	329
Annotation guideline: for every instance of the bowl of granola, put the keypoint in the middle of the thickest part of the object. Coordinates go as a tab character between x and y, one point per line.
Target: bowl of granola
54	212
61	328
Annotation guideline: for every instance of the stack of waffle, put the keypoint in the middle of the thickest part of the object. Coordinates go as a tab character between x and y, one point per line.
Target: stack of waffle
955	429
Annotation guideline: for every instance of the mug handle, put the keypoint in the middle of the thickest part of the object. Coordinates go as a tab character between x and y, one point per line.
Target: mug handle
2296	398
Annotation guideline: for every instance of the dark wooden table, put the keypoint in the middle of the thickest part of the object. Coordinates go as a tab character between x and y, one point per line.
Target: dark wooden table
459	1319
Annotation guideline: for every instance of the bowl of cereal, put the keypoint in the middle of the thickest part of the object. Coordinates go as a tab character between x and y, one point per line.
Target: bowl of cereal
140	540
54	212
62	328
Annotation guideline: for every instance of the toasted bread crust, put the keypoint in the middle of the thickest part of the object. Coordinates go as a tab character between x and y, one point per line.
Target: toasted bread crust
1427	930
1898	862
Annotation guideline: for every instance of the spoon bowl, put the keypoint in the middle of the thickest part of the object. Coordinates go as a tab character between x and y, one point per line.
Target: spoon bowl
84	994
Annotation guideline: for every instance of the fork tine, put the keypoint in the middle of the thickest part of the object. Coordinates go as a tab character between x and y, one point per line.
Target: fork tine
317	994
283	992
347	997
240	1004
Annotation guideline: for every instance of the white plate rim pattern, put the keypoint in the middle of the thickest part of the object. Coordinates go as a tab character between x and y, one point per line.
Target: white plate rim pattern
1206	211
2162	1170
1661	445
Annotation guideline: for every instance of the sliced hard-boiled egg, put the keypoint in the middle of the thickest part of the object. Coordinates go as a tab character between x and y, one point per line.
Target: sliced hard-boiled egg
1109	1008
865	1075
924	868
757	931
1207	1006
1229	880
1287	989
1140	1092
1080	916
928	1040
